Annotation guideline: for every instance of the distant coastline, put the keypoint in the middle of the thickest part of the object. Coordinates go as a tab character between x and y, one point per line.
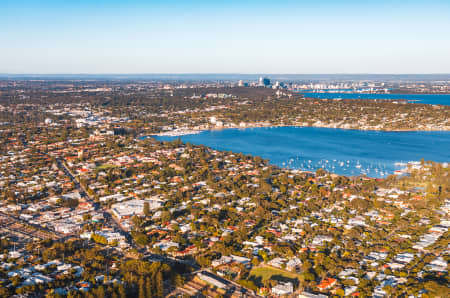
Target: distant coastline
404	98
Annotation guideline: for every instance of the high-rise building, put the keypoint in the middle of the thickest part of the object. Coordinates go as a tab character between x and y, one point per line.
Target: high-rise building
264	82
261	81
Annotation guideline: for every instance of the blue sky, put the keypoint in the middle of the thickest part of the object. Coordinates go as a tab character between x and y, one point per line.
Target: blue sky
224	36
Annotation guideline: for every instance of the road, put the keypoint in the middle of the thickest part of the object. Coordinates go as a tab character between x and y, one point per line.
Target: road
113	222
85	195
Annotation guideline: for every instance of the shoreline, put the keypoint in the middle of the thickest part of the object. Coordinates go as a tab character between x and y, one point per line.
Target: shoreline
375	96
397	167
368	93
192	131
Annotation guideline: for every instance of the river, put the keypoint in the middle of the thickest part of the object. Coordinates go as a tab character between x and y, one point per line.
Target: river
434	99
341	151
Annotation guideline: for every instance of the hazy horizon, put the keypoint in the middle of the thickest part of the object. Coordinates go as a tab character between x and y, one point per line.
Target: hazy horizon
232	77
221	73
246	37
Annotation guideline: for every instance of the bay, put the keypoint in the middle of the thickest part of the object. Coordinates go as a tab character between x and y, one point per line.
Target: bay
434	99
345	152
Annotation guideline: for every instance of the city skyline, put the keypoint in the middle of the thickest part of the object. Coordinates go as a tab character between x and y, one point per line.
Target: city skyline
250	37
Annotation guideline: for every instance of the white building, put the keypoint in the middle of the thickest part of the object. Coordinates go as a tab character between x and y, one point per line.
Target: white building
283	289
212	280
311	295
67	227
130	208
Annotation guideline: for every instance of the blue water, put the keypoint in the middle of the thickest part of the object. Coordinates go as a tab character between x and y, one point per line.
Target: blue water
434	99
346	152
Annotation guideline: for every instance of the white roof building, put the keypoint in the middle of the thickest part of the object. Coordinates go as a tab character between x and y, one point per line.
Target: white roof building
283	289
134	207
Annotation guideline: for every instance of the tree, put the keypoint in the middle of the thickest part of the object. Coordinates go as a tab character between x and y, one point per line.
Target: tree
141	239
159	285
141	288
122	293
340	292
99	239
53	294
178	281
147	209
100	292
137	221
149	287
